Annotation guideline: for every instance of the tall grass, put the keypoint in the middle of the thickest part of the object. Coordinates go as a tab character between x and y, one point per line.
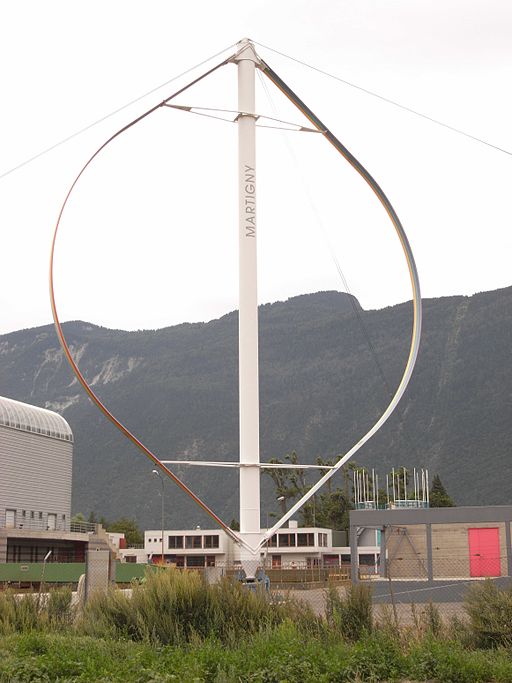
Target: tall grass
350	614
490	614
174	607
32	612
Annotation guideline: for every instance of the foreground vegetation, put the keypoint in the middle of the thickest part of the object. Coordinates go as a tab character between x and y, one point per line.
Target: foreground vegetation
272	656
176	628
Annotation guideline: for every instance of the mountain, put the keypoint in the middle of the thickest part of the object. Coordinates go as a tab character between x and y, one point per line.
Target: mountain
320	389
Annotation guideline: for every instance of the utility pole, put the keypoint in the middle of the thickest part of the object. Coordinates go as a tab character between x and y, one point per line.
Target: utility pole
157	474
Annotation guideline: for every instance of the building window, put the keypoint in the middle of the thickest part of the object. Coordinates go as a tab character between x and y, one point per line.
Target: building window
287	540
322	540
211	541
305	540
176	560
210	560
10	519
175	541
195	560
273	542
193	542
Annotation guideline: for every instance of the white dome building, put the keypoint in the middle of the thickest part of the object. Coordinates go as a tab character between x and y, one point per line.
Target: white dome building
36	452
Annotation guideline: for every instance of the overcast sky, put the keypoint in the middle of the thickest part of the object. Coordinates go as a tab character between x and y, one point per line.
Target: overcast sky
149	237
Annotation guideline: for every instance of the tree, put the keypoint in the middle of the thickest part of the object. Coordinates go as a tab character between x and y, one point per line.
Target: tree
439	497
289	483
234	524
328	508
130	529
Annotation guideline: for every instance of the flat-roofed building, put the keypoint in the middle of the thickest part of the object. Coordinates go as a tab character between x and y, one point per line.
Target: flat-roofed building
289	548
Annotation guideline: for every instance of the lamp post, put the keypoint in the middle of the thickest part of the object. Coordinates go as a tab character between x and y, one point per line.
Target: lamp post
157	474
41	583
279	500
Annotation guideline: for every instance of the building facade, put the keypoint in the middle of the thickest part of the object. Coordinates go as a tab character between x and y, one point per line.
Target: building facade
36	453
439	543
291	547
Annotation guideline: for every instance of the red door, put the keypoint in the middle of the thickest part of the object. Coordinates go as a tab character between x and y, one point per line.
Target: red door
484	552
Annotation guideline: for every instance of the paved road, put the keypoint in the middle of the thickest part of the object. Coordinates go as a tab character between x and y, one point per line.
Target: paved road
439	591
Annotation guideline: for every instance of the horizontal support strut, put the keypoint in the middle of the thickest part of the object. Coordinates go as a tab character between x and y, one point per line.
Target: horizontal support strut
261	465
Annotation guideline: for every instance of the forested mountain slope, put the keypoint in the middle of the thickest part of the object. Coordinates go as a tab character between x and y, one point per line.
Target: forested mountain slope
320	389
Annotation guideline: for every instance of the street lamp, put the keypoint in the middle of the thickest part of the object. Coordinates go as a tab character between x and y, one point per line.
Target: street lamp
157	474
279	500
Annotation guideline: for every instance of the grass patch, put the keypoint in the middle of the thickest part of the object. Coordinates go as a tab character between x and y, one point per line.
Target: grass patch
175	627
274	656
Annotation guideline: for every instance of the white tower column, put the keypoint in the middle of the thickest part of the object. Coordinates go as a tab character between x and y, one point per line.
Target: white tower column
248	300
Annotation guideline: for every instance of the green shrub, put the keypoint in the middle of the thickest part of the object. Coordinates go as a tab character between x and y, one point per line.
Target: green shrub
375	657
174	607
490	614
450	662
350	614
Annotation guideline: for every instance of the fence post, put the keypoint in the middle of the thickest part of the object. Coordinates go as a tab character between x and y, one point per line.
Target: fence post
383	559
430	561
97	572
354	557
509	547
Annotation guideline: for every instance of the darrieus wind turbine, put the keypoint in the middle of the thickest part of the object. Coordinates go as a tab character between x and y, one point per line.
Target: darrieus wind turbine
252	537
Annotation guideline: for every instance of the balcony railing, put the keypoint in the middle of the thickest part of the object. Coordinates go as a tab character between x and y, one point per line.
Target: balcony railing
42	525
83	527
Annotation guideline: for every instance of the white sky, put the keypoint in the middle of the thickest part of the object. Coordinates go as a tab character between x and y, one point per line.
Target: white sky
149	238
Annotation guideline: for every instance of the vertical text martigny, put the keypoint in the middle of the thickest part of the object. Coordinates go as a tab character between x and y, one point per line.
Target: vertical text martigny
250	201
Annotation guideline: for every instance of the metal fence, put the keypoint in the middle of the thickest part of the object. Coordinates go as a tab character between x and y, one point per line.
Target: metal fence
406	587
402	593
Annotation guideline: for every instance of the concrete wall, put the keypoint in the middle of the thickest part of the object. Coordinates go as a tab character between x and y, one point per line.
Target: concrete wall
35	477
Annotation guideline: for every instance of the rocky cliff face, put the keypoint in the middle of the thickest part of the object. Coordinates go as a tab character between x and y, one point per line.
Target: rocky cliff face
320	389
